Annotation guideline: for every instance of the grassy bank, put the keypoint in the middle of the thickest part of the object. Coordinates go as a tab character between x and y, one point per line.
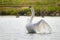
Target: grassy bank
46	7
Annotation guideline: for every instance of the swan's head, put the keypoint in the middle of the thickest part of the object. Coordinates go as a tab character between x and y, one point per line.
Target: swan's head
30	6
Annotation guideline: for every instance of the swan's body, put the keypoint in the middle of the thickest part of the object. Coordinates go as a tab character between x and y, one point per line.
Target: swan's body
36	28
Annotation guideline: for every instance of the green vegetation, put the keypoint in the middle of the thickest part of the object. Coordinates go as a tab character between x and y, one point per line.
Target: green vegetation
46	7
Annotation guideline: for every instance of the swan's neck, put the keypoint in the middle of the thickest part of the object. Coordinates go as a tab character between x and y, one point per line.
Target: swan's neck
32	11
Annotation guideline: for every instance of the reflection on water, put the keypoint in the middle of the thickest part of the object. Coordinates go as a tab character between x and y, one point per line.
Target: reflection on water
12	28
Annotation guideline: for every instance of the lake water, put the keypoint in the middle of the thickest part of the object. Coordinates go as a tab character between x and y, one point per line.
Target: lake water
12	28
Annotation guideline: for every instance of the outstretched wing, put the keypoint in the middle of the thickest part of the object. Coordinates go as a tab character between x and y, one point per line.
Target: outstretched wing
42	27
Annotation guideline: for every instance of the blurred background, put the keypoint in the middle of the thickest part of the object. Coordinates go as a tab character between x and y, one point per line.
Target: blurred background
21	7
12	28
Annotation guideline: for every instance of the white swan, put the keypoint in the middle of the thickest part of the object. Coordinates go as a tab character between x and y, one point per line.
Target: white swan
30	27
39	27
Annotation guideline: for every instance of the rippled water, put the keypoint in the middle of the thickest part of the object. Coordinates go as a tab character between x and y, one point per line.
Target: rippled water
12	28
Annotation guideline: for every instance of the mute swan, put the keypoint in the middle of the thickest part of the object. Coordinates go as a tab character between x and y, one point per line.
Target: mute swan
39	27
30	27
